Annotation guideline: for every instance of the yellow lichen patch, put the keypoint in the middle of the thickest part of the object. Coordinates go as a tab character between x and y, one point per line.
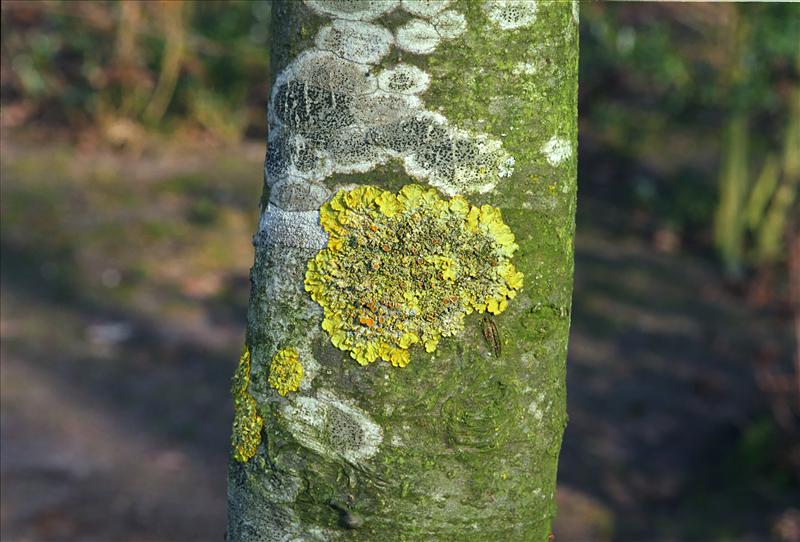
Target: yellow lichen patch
285	371
404	269
247	423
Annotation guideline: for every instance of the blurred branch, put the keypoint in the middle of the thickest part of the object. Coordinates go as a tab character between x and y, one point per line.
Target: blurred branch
794	295
752	215
95	14
763	189
127	52
728	223
174	29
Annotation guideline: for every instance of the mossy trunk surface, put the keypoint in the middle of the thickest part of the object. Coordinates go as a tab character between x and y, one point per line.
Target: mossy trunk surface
432	404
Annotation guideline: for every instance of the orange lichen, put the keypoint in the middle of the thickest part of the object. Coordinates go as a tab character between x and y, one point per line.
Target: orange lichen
406	269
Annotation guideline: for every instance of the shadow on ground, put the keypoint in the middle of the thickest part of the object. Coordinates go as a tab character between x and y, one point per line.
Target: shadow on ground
123	305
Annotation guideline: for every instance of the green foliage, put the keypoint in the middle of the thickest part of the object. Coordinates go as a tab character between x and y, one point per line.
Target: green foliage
158	65
685	83
755	209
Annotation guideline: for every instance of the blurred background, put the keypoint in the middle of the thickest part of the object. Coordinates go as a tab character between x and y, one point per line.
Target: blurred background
132	147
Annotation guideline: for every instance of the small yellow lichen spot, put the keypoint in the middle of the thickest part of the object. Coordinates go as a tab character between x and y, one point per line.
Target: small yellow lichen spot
405	269
241	378
247	426
247	423
286	371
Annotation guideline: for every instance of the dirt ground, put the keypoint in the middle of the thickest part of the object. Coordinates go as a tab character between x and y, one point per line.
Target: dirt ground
124	291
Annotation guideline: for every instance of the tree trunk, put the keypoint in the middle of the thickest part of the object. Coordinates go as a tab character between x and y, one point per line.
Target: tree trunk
404	370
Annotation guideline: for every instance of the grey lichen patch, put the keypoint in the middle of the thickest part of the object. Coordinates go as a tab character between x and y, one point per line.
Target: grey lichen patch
511	14
557	150
357	10
418	37
538	408
354	40
292	193
332	427
449	24
422	37
525	67
453	160
404	79
424	8
331	114
298	229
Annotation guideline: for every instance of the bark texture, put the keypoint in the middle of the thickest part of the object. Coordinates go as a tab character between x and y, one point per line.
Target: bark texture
469	97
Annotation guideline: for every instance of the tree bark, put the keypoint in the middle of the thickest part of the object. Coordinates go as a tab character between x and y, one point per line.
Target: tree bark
458	437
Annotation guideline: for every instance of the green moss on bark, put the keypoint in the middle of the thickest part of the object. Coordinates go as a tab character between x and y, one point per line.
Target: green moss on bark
468	440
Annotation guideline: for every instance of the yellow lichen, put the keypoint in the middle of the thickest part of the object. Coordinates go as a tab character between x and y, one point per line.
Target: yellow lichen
285	371
247	424
405	269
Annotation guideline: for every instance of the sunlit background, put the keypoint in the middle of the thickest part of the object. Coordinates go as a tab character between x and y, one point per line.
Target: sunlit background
132	147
